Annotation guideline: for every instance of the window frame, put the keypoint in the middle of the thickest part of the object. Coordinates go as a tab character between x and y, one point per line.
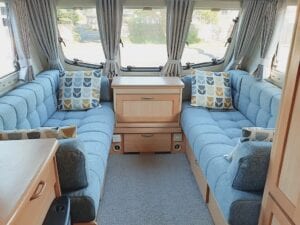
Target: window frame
276	76
15	62
76	61
187	66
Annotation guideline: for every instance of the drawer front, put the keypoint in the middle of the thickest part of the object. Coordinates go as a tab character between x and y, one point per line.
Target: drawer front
41	194
147	142
147	108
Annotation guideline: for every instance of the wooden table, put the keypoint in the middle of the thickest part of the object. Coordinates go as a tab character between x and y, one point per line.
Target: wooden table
29	180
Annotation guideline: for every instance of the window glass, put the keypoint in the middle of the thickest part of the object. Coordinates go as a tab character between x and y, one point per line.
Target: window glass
7	56
144	37
281	60
79	31
208	34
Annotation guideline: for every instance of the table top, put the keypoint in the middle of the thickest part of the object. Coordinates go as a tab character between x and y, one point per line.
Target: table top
20	163
146	82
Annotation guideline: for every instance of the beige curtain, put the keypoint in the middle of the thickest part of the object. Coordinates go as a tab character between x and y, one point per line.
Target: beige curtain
179	16
110	13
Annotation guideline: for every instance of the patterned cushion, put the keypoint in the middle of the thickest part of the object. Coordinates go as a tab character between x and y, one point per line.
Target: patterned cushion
252	134
39	133
257	134
211	90
79	90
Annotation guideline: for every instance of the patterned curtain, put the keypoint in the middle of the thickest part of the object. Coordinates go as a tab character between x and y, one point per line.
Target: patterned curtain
19	21
42	15
109	14
267	30
179	16
249	27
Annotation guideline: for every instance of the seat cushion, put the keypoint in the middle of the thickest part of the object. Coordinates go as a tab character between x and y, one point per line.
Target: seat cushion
94	129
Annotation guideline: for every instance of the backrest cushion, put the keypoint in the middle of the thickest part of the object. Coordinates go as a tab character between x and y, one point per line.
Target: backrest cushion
259	101
29	105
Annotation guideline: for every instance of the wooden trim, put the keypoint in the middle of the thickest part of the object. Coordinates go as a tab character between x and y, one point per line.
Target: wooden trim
139	130
200	179
215	211
144	125
86	223
208	197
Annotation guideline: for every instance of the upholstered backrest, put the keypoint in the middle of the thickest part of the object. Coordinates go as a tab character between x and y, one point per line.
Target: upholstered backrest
259	101
29	105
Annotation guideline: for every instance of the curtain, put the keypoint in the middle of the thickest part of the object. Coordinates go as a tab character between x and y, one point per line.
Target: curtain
109	14
19	21
267	30
42	15
179	16
249	26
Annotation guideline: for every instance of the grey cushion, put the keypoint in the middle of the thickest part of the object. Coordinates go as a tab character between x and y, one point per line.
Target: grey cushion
187	90
71	165
249	166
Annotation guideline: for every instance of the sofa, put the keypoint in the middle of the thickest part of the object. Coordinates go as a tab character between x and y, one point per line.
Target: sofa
211	134
34	105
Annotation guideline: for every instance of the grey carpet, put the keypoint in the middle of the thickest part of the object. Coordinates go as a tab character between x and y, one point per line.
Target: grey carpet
151	189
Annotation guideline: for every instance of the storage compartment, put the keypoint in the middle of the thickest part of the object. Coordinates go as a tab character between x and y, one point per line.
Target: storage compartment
147	143
59	212
42	193
146	108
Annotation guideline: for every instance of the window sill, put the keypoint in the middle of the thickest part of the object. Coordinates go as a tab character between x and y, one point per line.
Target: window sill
83	64
9	82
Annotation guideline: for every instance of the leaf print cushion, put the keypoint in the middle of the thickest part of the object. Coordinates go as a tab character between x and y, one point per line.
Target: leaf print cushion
79	90
211	90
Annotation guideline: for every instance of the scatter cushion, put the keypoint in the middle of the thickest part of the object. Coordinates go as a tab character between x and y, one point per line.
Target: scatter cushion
40	133
249	166
252	134
211	90
71	165
79	90
257	134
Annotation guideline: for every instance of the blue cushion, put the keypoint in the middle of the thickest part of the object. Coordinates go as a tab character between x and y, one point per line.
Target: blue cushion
71	165
187	90
249	166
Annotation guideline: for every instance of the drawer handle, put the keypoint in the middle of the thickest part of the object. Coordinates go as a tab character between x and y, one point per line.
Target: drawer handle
38	191
147	98
147	135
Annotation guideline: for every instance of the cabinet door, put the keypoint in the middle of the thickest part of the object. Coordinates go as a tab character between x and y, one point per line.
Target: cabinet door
146	108
283	184
274	215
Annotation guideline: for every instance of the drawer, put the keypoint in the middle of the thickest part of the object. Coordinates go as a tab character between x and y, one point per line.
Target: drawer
40	196
147	108
147	142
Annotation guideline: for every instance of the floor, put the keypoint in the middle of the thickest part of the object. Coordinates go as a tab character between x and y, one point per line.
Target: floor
151	189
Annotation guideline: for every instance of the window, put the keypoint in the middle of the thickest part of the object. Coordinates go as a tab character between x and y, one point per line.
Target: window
144	37
281	57
7	56
208	34
79	31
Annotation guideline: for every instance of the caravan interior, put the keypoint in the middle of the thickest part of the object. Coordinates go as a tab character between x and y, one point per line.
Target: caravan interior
162	112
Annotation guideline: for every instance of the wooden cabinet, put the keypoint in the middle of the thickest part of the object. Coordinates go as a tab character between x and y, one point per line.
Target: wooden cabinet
281	203
147	112
29	180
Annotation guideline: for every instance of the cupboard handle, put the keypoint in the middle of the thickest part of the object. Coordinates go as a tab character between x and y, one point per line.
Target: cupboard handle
147	98
147	135
38	191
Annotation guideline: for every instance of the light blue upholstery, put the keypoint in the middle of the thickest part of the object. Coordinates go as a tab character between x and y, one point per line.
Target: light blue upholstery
214	133
35	104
